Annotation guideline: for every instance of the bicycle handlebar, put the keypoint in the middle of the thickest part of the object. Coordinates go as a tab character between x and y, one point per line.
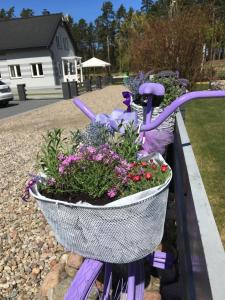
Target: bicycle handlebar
178	102
86	110
167	111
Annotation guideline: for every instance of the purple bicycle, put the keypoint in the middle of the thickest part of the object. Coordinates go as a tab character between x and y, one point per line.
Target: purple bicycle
90	269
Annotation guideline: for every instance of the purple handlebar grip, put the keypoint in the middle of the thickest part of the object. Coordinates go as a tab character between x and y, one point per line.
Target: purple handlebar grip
180	101
86	110
151	88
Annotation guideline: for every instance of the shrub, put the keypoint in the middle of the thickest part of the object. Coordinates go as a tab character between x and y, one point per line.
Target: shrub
171	43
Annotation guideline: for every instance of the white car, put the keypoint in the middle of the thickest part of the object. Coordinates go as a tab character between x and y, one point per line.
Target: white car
6	94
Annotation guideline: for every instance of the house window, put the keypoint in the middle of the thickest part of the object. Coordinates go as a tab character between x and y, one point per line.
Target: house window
58	42
65	42
66	68
15	71
37	70
59	68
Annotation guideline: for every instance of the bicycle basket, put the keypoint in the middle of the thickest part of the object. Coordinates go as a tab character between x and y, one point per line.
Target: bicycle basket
116	233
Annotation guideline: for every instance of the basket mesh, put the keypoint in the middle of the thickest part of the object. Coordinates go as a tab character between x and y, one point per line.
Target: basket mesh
167	125
113	234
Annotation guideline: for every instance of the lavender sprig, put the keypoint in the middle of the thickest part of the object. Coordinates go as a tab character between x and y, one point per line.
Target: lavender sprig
34	179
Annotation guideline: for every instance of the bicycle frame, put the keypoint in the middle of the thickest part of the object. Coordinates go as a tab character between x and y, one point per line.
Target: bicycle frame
81	285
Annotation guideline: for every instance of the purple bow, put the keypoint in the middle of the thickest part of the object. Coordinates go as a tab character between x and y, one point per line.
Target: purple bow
116	118
127	101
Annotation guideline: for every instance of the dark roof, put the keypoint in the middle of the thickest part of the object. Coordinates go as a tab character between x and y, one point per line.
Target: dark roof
30	32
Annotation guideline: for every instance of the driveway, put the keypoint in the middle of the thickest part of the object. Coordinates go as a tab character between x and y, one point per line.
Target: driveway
17	107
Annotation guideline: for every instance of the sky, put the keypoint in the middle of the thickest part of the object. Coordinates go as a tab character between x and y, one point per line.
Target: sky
86	9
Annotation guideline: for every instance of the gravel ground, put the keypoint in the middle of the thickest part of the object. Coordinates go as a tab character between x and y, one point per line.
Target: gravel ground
27	244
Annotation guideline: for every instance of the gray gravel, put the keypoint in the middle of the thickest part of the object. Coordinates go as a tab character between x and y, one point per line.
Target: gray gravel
27	244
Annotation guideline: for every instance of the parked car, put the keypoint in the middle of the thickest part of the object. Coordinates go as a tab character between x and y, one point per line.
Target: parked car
6	94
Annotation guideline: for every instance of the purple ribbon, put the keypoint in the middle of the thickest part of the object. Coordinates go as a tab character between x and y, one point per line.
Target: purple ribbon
127	101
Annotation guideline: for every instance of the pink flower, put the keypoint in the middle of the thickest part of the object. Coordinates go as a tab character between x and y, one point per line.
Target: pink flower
112	192
91	150
98	157
61	169
51	181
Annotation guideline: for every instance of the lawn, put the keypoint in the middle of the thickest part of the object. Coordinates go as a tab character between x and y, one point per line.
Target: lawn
205	121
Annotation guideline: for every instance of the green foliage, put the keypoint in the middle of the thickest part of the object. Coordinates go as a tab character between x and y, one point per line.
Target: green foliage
144	175
105	171
90	170
48	157
221	75
7	14
172	89
127	144
95	134
26	13
205	121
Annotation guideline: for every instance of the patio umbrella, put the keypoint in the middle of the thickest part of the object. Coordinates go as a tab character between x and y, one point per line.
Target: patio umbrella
95	62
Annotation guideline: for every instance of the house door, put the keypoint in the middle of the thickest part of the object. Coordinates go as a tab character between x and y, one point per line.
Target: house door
69	71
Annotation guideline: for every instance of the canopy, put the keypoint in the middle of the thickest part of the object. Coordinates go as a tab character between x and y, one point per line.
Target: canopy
94	62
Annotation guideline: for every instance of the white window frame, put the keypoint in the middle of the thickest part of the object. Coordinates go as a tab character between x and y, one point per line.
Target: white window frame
37	69
15	71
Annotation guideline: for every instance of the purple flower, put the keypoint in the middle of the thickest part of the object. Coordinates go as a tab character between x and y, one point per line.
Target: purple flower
112	192
68	161
61	169
26	195
91	150
51	181
120	171
98	157
61	157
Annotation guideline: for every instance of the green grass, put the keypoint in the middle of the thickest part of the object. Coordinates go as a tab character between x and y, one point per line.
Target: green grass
205	122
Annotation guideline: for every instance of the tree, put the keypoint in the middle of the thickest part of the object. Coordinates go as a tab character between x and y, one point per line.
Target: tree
120	16
91	40
26	13
105	30
45	12
146	6
80	31
7	14
3	14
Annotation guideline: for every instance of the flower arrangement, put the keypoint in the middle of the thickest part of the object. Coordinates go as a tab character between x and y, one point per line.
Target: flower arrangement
174	86
95	165
100	200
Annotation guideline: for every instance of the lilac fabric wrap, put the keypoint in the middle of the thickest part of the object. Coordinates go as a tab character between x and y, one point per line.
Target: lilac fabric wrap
154	141
117	117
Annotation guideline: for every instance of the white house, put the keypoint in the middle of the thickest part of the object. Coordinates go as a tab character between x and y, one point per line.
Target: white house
38	51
